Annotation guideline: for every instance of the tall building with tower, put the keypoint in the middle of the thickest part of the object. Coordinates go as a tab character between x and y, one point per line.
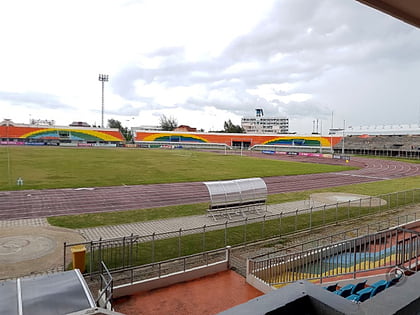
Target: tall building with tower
261	124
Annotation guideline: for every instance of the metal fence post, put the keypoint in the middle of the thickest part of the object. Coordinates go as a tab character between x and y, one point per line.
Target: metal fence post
228	256
280	219
336	213
179	241
130	257
348	210
123	252
153	246
310	219
226	229
204	238
245	228
100	250
64	256
354	261
389	201
296	216
92	253
263	227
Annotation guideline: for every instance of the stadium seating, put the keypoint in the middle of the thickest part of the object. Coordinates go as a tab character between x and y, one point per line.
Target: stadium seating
345	291
378	286
360	292
361	295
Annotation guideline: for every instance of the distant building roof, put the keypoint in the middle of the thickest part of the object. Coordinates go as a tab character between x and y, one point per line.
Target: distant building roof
382	130
79	124
185	128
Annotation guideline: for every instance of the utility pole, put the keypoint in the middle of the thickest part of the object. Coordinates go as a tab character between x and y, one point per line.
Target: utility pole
103	78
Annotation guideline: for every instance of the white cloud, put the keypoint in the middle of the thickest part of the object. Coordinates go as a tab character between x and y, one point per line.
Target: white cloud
204	62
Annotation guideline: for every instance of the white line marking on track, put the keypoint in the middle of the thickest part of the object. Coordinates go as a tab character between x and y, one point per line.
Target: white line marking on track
356	175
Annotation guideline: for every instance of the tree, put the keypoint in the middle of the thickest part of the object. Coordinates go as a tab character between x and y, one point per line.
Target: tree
231	128
168	124
125	131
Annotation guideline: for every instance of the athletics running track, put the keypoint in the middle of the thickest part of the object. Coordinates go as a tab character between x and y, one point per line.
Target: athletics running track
52	202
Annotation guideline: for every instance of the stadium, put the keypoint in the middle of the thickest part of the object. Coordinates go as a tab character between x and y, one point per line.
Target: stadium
123	262
342	237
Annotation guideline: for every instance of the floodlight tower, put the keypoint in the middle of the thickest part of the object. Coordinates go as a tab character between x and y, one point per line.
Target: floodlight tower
103	78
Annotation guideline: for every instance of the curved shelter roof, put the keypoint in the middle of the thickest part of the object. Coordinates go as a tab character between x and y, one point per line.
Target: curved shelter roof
236	192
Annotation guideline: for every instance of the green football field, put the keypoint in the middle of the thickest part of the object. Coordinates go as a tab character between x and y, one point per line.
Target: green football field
53	167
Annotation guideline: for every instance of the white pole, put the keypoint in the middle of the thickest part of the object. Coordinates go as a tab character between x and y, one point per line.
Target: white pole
344	128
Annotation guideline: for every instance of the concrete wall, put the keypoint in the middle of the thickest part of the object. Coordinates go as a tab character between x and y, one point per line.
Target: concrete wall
167	280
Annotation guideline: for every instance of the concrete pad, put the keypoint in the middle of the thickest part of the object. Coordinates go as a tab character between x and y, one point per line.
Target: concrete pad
30	250
334	197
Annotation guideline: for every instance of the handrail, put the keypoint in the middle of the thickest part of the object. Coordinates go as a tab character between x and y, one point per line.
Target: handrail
106	288
378	251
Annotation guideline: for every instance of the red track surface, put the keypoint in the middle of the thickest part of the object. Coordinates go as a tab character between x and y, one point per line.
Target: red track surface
53	202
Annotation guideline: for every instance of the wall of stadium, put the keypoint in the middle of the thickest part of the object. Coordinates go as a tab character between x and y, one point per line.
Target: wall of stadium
231	139
57	135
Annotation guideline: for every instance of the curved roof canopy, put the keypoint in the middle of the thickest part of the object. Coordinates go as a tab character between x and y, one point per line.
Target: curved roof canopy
405	10
237	192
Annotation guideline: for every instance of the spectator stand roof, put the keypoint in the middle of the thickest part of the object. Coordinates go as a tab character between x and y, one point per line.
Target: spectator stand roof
51	294
233	195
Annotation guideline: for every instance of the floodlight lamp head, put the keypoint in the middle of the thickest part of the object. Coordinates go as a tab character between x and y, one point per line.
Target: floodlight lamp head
103	77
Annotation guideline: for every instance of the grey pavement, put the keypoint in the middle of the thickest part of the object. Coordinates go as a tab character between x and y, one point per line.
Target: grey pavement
24	222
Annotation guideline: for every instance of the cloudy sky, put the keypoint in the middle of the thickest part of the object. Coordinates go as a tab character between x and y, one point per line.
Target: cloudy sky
203	62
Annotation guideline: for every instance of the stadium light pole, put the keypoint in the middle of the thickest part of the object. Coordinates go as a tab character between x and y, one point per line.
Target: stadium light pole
103	78
344	128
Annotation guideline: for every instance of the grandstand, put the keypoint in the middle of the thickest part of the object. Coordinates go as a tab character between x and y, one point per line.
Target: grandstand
46	134
371	274
260	142
407	146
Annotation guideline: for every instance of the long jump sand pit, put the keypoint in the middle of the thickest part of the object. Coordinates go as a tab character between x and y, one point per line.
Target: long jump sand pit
32	250
355	200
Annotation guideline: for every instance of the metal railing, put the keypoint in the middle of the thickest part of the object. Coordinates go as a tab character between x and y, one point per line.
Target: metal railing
379	251
344	235
133	250
170	266
104	298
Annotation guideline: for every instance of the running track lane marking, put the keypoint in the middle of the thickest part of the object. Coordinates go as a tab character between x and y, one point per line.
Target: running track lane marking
356	175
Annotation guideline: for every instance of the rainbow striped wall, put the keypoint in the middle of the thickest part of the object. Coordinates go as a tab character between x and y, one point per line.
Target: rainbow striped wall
53	133
230	138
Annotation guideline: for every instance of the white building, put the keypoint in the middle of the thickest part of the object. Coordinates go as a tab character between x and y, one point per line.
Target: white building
261	124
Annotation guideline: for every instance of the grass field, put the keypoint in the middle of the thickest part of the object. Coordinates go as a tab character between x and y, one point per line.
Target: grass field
52	167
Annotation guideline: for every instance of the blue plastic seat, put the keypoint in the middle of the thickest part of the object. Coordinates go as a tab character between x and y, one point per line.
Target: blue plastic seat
353	297
378	283
345	291
358	287
378	286
331	288
364	294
